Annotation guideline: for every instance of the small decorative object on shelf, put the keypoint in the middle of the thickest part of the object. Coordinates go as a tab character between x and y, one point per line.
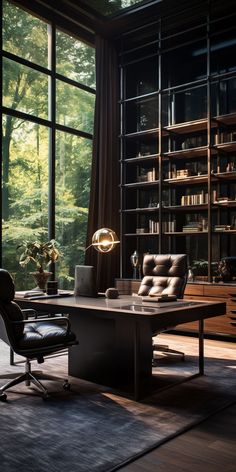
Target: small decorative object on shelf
190	275
136	265
227	268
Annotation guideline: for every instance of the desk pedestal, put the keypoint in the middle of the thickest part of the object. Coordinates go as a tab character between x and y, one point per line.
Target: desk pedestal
112	352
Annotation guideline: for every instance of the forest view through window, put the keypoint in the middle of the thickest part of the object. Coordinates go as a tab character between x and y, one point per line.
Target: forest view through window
47	129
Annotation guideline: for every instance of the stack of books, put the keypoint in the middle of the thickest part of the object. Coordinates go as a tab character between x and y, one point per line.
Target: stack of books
182	173
192	227
222	227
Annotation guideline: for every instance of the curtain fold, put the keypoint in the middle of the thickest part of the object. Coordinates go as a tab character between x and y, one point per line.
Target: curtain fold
104	193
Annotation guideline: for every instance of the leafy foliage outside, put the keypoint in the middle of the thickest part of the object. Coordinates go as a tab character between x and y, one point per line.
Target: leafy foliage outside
26	144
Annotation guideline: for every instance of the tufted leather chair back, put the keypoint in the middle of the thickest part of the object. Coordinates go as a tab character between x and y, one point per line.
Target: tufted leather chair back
164	274
9	310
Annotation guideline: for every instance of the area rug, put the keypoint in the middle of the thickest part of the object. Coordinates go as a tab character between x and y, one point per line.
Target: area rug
91	429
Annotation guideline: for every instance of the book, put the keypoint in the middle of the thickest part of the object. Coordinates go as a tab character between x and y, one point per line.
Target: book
159	298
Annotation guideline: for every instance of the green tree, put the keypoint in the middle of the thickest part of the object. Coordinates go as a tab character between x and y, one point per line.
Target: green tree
26	144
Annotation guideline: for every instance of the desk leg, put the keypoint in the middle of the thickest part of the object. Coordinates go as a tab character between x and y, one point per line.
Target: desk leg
201	347
12	357
136	362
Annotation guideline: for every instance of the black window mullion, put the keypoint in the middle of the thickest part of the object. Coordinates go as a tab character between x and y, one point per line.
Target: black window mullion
52	134
1	24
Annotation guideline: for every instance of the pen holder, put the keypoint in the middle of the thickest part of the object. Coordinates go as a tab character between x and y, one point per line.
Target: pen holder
52	287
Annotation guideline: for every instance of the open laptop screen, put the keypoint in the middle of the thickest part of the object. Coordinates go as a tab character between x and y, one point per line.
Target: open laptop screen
85	281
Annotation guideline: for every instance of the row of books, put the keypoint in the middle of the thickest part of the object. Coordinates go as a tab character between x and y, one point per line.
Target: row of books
169	226
153	226
148	176
197	199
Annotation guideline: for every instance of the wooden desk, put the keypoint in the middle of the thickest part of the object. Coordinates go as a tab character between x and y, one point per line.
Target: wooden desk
115	336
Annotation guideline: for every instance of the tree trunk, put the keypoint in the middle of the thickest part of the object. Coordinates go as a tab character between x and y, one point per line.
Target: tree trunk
6	164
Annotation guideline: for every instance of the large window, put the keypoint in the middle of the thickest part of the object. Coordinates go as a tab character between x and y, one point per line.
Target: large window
48	97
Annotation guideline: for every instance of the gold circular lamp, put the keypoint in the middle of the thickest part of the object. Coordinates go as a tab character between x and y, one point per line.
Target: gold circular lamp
104	240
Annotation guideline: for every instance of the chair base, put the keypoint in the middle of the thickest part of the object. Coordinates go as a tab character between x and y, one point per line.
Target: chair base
30	378
166	350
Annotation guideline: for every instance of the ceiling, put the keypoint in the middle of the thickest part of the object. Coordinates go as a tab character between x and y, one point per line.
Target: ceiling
113	8
108	18
112	18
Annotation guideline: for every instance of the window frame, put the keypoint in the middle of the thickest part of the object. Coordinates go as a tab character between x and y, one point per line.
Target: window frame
50	123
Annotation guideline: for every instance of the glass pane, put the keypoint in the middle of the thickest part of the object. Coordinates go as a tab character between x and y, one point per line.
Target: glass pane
186	105
223	50
184	65
141	78
75	107
25	191
141	146
142	115
73	168
24	35
224	97
25	89
75	59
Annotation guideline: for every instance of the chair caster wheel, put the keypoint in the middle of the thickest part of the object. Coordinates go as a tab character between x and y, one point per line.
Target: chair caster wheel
66	386
3	397
46	396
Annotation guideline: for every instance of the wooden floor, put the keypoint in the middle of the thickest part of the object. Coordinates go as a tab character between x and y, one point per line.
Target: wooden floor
208	447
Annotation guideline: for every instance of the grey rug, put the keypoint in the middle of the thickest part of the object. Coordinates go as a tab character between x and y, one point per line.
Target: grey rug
93	430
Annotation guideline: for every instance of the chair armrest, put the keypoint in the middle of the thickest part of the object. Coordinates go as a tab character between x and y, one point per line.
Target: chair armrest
29	312
59	321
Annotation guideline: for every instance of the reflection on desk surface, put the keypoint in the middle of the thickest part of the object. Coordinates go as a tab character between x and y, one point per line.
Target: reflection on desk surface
158	306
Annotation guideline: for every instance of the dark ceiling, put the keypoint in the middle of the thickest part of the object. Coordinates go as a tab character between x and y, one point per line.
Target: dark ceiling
112	8
89	17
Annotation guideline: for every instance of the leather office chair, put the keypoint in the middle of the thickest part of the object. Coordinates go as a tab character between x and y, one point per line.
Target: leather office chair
164	274
30	339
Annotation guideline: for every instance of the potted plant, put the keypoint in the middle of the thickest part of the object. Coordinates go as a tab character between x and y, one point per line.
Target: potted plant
41	254
200	269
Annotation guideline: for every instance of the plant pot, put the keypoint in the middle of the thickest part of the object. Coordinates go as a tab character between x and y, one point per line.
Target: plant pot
41	279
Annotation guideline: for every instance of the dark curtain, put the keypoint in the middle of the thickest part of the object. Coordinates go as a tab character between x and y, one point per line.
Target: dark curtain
104	196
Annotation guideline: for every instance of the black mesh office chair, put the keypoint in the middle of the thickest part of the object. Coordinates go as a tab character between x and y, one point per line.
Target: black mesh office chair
164	274
30	339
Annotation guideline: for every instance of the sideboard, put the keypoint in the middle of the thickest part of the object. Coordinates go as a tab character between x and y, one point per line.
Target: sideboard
220	325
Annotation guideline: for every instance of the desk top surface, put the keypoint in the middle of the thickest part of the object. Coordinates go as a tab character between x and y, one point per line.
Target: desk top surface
128	305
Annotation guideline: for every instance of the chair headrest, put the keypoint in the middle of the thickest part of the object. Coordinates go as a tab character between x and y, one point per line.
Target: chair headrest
7	287
167	265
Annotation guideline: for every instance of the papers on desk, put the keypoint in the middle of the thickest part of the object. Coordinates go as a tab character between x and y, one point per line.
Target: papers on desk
39	294
28	293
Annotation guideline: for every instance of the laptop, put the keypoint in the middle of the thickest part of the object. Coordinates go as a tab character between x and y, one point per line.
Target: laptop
85	281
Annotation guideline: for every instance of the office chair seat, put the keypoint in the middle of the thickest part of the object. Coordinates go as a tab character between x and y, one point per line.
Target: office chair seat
31	339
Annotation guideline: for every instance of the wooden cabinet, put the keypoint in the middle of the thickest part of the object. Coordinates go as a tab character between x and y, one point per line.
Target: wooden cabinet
178	139
221	325
217	292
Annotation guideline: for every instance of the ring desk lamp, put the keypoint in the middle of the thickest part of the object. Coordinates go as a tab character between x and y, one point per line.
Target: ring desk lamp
104	240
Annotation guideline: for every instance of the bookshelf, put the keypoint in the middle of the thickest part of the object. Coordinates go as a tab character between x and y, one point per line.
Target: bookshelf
178	137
